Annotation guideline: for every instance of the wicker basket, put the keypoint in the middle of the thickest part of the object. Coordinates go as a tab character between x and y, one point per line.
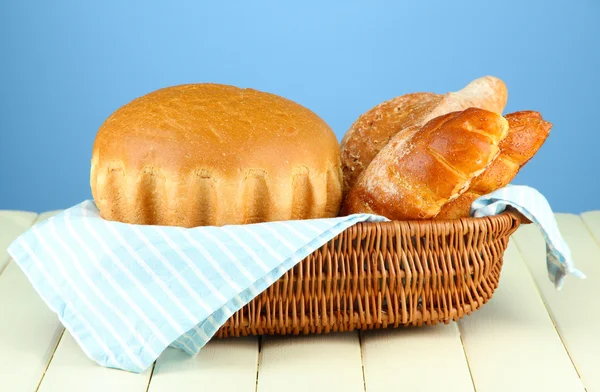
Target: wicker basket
380	275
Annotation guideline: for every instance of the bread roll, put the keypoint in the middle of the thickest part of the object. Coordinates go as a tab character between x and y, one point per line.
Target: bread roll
372	130
423	168
209	154
526	134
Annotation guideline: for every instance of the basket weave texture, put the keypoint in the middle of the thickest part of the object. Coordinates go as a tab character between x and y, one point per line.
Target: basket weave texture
380	275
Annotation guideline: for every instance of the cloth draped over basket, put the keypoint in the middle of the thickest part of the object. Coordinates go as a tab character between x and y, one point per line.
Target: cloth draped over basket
126	292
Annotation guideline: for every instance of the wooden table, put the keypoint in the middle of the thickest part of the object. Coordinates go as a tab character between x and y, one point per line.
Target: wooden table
529	337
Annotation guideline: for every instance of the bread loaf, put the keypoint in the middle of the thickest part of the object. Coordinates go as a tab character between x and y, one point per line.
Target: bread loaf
373	130
209	154
526	134
424	167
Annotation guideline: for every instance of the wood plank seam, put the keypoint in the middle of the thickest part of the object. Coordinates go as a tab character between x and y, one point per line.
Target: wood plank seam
49	360
3	268
548	310
362	359
260	344
589	229
150	377
462	343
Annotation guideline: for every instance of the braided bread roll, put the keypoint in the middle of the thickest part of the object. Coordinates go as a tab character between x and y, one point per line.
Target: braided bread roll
526	134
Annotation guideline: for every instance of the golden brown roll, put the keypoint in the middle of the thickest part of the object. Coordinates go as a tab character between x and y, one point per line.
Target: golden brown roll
373	129
423	168
526	134
209	154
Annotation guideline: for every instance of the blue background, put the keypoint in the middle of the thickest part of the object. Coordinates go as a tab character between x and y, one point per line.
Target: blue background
66	65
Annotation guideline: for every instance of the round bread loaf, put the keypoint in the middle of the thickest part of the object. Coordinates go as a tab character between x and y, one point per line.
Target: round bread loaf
210	154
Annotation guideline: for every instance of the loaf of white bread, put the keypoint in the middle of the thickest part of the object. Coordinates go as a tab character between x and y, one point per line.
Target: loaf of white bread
210	154
435	170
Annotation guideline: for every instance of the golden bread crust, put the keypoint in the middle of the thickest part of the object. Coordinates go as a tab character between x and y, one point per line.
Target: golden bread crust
210	154
375	128
423	168
527	133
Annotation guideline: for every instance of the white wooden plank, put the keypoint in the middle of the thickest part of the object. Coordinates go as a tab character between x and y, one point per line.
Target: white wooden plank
71	370
311	363
12	225
429	358
29	329
575	309
511	342
28	332
222	365
592	221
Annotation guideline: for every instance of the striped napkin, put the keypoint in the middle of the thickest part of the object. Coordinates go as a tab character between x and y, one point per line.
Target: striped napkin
534	206
126	292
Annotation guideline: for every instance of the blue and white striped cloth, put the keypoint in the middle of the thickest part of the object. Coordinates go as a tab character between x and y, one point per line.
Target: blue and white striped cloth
534	206
126	292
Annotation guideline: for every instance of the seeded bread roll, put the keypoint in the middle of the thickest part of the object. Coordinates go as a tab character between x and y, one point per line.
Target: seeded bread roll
209	154
423	168
373	129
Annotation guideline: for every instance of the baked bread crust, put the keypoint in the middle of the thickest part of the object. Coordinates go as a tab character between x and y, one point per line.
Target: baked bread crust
374	129
210	154
526	134
423	168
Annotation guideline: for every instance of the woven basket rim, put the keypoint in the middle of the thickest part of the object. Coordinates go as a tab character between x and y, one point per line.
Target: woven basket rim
513	215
